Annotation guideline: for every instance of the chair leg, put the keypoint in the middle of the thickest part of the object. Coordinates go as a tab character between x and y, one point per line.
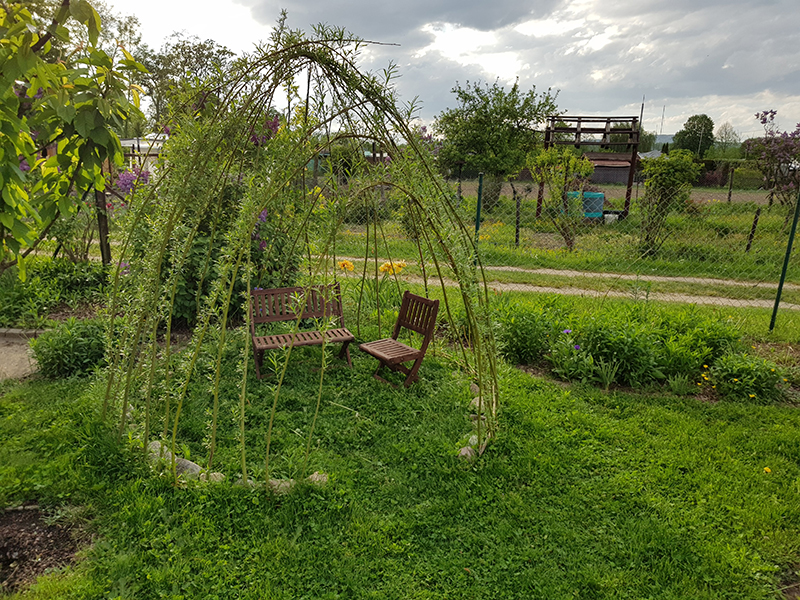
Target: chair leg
345	353
412	374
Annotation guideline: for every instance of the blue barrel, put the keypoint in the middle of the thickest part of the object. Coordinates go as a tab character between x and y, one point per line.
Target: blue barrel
592	203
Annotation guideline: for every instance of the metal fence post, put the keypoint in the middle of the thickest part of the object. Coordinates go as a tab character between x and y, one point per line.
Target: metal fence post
785	263
480	203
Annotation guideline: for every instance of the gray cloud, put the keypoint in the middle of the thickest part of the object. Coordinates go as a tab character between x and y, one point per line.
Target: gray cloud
722	57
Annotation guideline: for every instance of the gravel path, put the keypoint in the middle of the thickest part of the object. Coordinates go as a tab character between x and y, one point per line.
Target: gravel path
16	360
661	296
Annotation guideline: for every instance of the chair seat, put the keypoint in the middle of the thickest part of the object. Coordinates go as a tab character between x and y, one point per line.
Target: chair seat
391	351
301	338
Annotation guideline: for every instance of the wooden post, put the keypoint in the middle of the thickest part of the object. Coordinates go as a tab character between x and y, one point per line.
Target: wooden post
753	229
730	184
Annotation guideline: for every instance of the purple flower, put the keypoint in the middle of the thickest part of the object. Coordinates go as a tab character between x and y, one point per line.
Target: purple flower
23	165
127	180
567	331
272	125
577	347
263	216
263	245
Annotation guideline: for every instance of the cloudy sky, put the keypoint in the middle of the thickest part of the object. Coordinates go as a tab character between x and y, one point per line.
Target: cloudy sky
728	59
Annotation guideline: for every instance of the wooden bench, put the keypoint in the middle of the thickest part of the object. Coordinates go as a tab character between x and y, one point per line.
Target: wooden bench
417	314
281	304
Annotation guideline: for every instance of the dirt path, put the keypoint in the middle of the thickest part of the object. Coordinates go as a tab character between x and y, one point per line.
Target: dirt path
661	296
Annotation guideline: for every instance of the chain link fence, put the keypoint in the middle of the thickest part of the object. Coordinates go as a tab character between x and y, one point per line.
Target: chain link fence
699	246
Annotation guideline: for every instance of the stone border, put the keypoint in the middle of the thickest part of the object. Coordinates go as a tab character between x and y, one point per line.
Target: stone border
24	334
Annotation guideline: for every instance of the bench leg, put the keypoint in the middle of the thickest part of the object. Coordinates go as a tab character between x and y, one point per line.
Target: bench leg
259	357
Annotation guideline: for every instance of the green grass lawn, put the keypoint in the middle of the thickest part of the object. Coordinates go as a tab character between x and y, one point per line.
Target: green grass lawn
583	494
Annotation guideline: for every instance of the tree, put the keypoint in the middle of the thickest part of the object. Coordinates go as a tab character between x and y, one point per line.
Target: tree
647	139
492	130
182	63
697	135
67	103
563	172
727	142
776	156
667	184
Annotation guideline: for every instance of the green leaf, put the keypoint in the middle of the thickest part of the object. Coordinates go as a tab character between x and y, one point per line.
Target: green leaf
64	110
83	12
26	59
85	122
100	136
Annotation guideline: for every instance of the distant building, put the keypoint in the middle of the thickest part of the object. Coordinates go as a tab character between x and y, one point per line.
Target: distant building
143	151
609	167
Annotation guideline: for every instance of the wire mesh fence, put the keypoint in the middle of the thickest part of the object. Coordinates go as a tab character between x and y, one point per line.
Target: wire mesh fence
697	246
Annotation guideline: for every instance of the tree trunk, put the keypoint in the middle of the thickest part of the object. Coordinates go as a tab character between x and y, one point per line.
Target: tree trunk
102	225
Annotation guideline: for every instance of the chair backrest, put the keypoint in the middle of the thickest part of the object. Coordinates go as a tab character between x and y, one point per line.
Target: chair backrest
417	314
279	304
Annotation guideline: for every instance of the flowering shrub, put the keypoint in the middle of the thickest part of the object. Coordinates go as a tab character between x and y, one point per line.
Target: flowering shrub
128	180
570	361
392	268
271	127
745	378
345	265
777	155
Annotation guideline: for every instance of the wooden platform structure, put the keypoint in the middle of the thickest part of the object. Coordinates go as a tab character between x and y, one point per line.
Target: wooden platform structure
596	131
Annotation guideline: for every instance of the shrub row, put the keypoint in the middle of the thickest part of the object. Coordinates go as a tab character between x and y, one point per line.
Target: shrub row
637	347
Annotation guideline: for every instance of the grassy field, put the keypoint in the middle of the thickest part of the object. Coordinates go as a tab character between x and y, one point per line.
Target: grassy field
583	494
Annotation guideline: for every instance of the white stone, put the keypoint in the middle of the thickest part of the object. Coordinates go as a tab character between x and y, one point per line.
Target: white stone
318	478
281	486
467	453
476	403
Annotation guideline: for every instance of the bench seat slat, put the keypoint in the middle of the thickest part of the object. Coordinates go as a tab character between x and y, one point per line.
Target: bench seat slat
301	338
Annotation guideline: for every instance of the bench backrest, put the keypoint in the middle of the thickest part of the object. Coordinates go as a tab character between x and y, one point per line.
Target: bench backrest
280	304
417	314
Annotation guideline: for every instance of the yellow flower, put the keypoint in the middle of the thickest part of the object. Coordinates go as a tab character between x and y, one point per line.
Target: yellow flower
345	265
735	379
767	470
392	268
752	395
705	366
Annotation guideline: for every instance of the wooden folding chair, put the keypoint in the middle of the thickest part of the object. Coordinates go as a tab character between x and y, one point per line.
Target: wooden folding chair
416	314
